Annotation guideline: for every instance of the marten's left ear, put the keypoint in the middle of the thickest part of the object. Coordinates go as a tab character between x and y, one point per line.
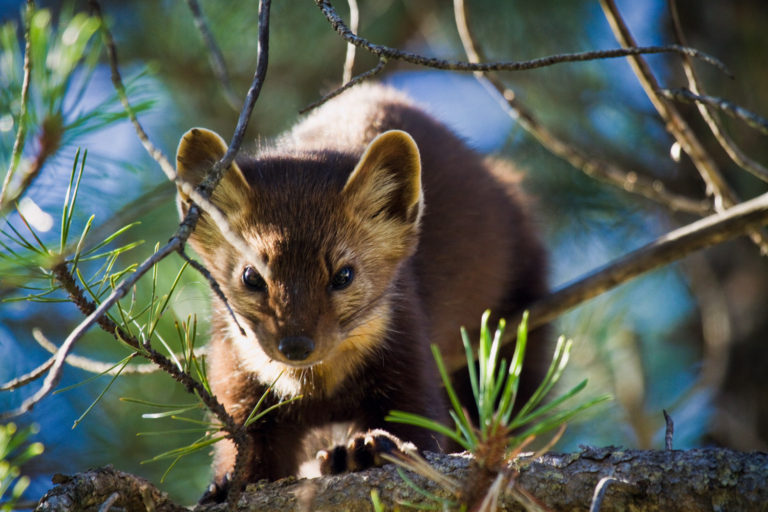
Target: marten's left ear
198	150
387	179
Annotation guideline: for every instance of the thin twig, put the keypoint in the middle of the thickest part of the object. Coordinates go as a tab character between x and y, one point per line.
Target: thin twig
200	194
597	497
354	81
630	181
712	120
21	132
213	284
349	60
215	56
723	194
109	502
733	110
675	124
262	57
669	430
90	365
413	58
31	376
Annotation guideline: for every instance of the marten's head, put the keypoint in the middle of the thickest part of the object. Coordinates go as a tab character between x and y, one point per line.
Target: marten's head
324	237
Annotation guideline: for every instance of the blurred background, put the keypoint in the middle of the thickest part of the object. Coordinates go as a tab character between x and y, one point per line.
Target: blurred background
689	338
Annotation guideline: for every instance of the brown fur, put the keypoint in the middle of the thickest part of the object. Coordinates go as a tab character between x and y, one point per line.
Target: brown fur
434	234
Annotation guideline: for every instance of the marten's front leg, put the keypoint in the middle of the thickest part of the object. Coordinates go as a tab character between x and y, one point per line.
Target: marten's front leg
274	454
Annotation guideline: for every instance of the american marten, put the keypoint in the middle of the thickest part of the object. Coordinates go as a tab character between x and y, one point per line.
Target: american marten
377	232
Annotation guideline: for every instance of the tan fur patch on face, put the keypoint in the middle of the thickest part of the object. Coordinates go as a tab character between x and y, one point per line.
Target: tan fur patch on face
323	378
360	343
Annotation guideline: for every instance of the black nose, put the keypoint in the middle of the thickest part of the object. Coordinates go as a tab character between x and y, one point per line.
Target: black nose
296	348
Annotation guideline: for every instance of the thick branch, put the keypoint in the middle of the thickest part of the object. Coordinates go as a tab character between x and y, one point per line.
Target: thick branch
643	480
742	219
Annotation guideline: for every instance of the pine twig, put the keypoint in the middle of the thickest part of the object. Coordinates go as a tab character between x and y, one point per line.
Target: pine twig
6	201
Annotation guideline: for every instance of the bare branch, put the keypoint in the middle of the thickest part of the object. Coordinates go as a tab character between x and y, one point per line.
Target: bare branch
117	81
214	55
25	379
723	194
354	81
630	181
559	481
735	111
739	220
675	124
730	147
597	498
669	430
413	58
90	365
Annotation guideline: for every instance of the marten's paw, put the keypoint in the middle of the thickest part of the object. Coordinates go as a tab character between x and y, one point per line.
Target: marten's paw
216	492
362	451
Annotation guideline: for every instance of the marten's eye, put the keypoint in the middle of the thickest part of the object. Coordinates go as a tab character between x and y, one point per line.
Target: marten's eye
253	280
342	278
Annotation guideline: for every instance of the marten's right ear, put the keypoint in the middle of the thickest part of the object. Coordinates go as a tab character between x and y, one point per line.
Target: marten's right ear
199	149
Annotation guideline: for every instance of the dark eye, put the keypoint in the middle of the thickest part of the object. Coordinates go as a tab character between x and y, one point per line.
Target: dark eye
253	280
342	278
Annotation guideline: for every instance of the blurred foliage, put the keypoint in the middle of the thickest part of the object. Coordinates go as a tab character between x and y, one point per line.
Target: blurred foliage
645	342
15	450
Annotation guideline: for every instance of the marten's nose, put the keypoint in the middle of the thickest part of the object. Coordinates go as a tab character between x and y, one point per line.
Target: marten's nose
296	348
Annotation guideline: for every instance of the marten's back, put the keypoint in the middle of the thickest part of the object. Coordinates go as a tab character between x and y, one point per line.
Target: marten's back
477	247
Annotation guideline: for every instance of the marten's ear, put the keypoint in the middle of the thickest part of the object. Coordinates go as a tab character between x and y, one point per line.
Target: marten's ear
198	150
387	179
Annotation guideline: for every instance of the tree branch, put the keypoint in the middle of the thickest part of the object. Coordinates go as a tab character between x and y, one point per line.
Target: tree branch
723	194
753	120
630	181
739	220
709	117
734	480
352	82
413	58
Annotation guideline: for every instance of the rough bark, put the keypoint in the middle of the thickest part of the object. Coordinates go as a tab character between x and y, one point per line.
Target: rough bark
700	479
